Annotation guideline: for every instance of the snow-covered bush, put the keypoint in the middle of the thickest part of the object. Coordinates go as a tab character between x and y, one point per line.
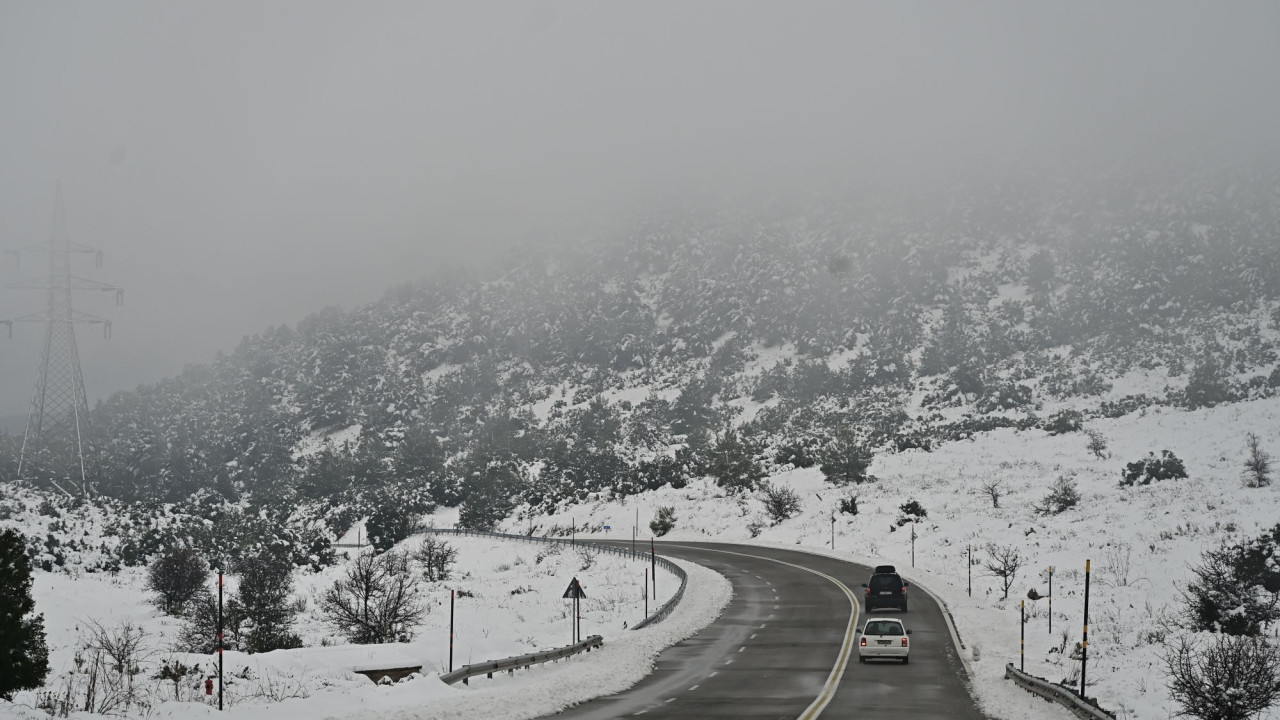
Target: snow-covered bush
1226	678
176	577
1151	468
1063	495
1236	589
664	520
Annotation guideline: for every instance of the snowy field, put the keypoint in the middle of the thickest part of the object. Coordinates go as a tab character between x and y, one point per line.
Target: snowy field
509	603
1142	541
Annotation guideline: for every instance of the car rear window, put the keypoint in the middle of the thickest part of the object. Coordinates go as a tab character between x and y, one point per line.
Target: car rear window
883	627
885	582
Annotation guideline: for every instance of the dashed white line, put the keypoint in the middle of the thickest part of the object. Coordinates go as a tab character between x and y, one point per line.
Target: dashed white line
669	700
762	625
695	687
717	672
744	647
753	636
729	661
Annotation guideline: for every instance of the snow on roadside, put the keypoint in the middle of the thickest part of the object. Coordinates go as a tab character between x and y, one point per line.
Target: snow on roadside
544	689
509	603
1142	541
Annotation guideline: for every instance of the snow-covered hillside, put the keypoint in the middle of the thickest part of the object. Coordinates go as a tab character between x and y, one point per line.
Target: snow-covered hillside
1141	540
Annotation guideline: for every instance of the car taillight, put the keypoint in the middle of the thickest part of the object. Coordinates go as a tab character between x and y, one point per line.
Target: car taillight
868	591
904	642
864	641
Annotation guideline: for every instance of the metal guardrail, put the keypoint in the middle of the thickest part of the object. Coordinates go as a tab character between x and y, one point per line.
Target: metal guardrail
519	662
655	617
1080	707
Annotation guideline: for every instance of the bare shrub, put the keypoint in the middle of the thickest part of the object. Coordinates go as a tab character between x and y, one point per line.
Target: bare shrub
994	490
1117	562
780	502
586	556
436	558
104	679
1003	562
1228	678
376	600
1257	466
1097	444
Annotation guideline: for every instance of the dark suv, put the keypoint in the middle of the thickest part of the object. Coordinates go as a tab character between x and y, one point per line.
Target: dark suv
886	589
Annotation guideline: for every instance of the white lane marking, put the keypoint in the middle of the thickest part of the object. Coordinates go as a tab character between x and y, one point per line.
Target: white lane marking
821	702
717	672
744	647
729	661
753	636
642	712
695	687
669	700
762	626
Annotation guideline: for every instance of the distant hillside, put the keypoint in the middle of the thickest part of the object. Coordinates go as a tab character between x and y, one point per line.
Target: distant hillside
894	320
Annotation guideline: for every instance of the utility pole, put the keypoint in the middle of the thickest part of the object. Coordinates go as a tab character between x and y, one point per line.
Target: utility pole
970	569
653	562
833	531
452	595
55	445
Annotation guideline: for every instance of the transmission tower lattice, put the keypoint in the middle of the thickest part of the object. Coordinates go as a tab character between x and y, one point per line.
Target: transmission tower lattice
55	446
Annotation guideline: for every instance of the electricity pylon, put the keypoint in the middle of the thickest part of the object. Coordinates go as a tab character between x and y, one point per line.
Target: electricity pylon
55	446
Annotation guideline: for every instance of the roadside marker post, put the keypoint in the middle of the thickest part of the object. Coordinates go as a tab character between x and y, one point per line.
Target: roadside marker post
220	640
1084	641
1022	638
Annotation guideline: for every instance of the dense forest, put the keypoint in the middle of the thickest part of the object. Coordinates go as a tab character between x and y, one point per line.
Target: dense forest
708	339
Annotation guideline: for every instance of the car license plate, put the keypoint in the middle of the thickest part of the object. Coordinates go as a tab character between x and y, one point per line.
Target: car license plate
886	592
884	642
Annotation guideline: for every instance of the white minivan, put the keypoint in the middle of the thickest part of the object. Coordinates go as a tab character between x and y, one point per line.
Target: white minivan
884	638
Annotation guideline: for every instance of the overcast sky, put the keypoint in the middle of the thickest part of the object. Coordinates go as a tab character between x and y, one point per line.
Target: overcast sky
245	163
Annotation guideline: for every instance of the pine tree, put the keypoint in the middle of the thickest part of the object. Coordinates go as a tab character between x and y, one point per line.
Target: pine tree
845	460
24	657
733	463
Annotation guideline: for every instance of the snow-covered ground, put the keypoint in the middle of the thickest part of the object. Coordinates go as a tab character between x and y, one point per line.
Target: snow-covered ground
1141	541
510	602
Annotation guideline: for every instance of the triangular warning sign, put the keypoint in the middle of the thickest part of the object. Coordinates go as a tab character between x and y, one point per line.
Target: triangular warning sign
574	590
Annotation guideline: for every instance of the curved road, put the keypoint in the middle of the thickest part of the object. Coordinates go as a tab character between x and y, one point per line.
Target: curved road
778	649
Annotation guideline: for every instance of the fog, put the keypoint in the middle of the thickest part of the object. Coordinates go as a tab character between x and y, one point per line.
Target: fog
243	164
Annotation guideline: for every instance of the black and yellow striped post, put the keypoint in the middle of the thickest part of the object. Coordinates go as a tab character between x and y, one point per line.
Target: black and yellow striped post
1022	623
1084	642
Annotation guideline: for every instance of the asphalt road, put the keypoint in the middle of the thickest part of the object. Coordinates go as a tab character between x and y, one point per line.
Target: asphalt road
783	649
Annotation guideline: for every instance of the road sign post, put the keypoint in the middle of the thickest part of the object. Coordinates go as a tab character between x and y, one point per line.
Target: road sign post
575	593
